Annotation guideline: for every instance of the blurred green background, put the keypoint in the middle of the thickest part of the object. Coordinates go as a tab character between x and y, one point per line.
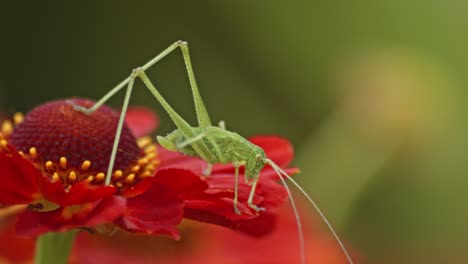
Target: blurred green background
371	93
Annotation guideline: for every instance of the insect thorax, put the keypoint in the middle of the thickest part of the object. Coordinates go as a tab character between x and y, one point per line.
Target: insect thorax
225	147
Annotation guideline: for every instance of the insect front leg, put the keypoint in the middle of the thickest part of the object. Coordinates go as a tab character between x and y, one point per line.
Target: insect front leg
251	196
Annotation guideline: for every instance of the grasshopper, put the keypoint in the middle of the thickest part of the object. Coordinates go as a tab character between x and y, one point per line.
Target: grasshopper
213	144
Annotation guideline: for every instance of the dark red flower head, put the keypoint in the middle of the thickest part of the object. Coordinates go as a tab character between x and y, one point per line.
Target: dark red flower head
70	146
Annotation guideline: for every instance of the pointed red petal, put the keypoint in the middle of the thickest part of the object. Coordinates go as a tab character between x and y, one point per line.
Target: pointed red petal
79	193
156	211
180	182
172	159
141	121
65	218
19	179
260	225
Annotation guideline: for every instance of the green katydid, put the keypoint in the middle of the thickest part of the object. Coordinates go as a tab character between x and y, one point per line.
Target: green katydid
213	144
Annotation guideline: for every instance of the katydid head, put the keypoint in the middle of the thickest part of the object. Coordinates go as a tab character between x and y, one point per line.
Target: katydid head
255	163
171	141
167	143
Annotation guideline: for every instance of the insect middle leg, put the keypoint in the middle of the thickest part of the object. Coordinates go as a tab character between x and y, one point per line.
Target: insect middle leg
236	186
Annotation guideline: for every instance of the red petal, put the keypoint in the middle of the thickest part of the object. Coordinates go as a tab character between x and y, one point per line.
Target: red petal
156	211
224	183
269	193
19	179
256	226
273	193
14	249
65	218
260	226
180	182
205	209
79	193
141	121
279	150
172	159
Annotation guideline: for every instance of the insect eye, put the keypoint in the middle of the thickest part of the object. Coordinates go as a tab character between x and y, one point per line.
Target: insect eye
258	157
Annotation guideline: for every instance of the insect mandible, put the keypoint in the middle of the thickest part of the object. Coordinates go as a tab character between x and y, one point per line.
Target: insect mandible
213	144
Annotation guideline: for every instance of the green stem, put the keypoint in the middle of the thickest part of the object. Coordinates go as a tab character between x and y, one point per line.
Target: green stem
54	247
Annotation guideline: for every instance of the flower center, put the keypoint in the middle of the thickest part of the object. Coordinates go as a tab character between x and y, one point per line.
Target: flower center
72	146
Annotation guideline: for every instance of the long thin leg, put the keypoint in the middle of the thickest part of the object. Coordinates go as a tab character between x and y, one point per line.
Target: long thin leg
236	187
213	144
251	196
122	84
190	141
209	168
200	147
119	131
202	113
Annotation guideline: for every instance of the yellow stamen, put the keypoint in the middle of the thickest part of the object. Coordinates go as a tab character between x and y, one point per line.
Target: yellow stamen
151	148
7	128
33	152
55	177
86	164
150	167
118	174
118	184
18	118
72	176
146	174
100	176
21	153
3	143
49	165
130	178
143	161
144	141
151	155
63	162
136	168
90	178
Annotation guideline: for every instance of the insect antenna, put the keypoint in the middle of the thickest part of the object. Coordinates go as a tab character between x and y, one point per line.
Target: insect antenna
281	173
294	207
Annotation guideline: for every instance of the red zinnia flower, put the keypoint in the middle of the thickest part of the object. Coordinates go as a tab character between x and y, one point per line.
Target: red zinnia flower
55	158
